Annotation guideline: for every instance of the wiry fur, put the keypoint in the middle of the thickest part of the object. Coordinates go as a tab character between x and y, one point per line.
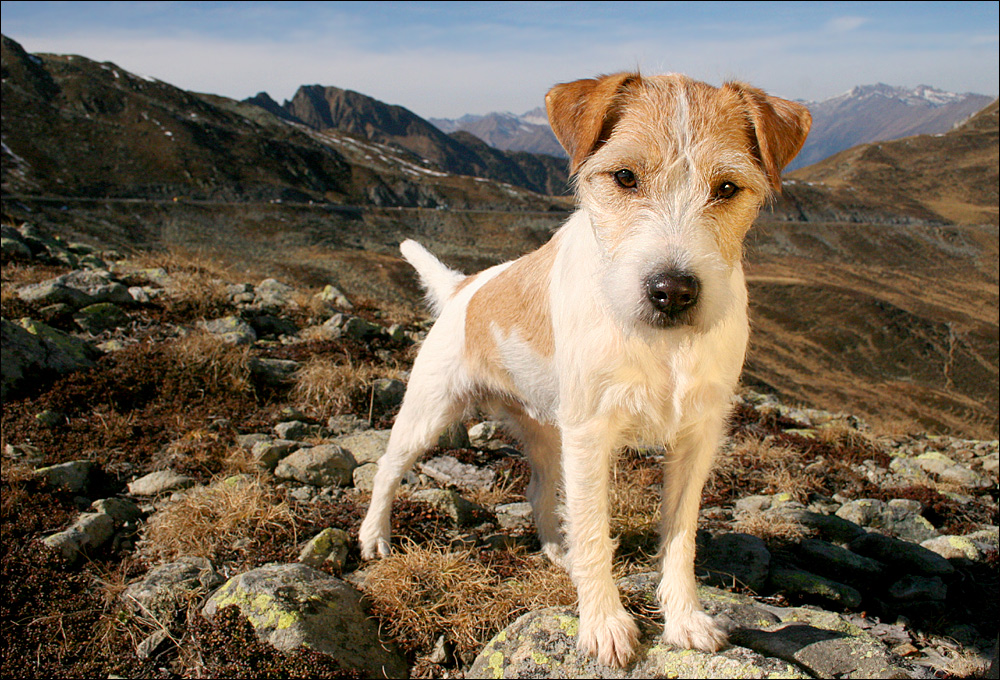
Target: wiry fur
567	342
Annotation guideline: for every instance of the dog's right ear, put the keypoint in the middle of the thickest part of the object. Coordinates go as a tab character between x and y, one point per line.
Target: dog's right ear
583	113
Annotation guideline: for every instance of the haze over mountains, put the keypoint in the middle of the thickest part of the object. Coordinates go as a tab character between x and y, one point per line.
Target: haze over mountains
864	114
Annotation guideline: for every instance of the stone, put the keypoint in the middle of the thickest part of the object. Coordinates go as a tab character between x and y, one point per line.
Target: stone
100	317
899	517
269	452
388	392
482	433
292	606
454	437
166	590
901	554
296	430
30	349
448	471
159	482
271	293
367	446
327	547
54	292
333	295
232	330
247	441
543	644
360	329
461	511
121	510
322	465
50	418
953	547
803	583
831	527
98	285
90	531
74	476
346	424
838	563
735	557
364	476
514	516
912	587
274	371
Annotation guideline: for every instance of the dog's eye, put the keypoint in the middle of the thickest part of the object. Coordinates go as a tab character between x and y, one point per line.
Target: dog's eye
626	179
725	190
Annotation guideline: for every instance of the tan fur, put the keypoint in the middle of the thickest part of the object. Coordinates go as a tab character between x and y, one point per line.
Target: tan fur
515	302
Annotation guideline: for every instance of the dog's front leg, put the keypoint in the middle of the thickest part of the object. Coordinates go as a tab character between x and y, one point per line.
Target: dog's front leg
606	629
685	623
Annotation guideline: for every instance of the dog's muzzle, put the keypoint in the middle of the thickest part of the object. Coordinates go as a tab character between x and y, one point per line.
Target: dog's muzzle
672	295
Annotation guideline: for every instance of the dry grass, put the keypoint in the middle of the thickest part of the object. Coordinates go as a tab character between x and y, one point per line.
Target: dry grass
213	517
771	527
759	465
326	386
635	494
223	367
424	591
197	281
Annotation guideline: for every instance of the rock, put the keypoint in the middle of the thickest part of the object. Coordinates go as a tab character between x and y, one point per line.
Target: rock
542	644
98	285
943	468
100	317
240	293
121	510
296	430
91	530
292	606
32	348
481	434
328	546
151	645
454	437
247	441
367	446
50	418
346	424
274	371
232	330
912	587
751	504
388	392
735	557
166	591
54	292
323	465
901	554
364	476
461	511
269	452
74	476
514	516
333	295
898	517
803	583
953	547
159	482
271	325
271	293
359	329
838	563
831	527
448	471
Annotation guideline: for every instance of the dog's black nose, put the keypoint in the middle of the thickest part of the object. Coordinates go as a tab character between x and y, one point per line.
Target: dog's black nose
672	292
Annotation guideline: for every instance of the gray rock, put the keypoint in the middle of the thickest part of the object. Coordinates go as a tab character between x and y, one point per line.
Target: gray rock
231	329
364	476
482	433
953	547
901	554
54	292
271	293
274	371
448	471
100	317
248	441
454	437
296	430
367	446
514	516
73	476
838	563
461	511
91	530
159	482
31	348
751	504
167	590
912	587
327	547
346	424
542	644
388	392
832	528
333	296
803	583
323	465
293	606
735	557
121	510
98	285
269	452
358	328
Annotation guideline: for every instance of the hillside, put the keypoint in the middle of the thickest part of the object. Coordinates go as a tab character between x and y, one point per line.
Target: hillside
332	108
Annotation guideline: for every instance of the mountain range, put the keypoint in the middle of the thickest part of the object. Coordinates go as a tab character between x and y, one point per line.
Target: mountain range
864	114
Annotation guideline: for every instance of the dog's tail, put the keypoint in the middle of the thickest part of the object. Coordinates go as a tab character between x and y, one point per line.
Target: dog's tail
438	280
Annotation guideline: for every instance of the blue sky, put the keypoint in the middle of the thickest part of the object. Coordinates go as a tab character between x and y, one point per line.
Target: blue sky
446	59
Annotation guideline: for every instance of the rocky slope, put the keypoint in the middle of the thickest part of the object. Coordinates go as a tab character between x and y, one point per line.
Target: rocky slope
193	492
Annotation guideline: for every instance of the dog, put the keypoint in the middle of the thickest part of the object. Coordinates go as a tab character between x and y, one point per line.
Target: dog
628	328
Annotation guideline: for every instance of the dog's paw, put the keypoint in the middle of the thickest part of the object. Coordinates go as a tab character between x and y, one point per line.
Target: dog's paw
556	554
697	630
612	639
373	542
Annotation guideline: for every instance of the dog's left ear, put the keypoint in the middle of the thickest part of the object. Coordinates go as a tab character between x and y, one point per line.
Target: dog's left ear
780	128
583	113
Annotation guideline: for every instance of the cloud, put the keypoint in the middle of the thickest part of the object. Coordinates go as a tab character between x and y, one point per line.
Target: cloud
846	24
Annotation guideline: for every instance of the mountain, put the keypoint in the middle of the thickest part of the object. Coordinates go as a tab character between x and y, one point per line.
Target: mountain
528	132
332	108
949	177
73	127
881	112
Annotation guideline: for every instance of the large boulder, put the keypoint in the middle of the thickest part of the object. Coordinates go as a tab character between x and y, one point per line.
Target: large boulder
32	348
292	606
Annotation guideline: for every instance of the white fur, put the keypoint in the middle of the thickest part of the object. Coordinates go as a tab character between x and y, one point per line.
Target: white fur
612	380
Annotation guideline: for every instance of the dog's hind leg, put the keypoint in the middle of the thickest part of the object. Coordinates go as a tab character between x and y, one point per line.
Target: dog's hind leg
688	464
542	445
428	408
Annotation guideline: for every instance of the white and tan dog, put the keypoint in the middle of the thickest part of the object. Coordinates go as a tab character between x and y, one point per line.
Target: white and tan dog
629	327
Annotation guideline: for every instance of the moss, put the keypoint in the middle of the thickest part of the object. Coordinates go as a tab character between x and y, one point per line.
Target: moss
496	664
569	624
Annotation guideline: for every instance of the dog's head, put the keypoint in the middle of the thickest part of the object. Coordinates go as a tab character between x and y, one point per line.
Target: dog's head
672	173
